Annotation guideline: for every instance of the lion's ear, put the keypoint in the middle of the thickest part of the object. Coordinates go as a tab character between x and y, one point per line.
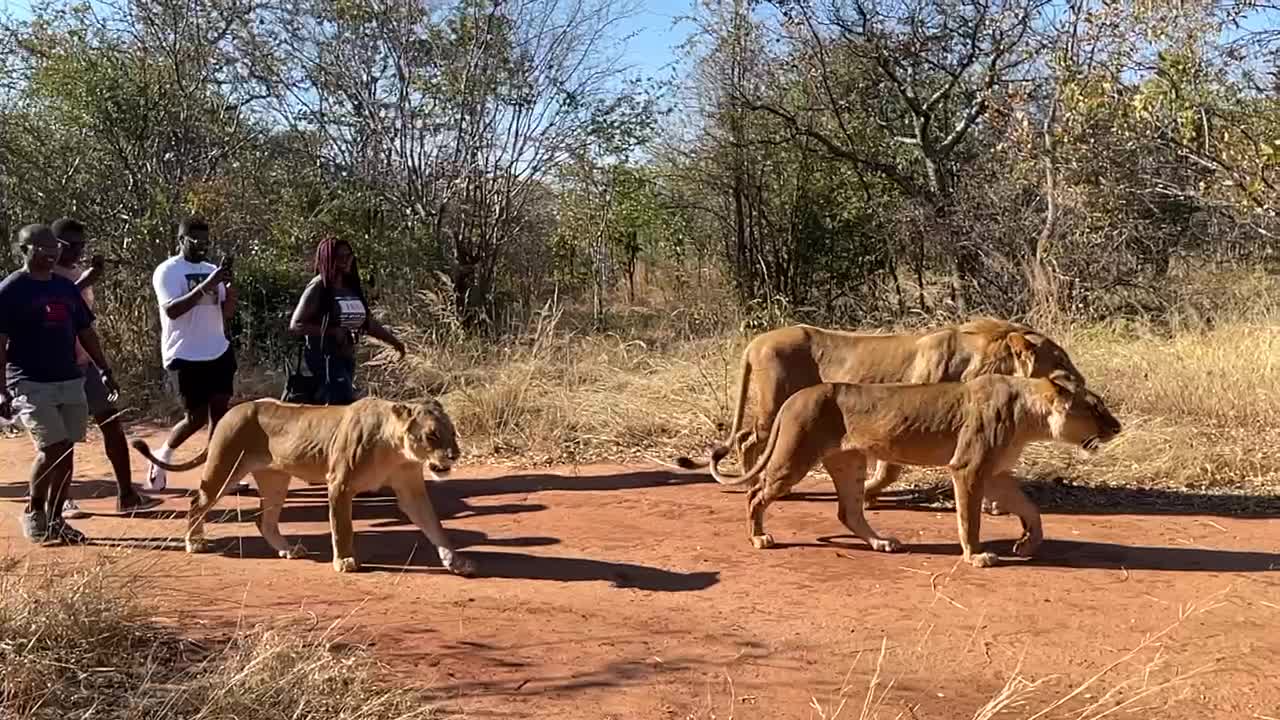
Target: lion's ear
1064	383
1059	391
1024	353
402	411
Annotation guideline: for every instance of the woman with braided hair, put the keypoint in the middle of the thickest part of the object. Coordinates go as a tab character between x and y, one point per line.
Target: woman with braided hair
332	315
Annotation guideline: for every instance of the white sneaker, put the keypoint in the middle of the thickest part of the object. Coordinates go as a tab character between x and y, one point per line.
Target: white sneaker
156	479
71	510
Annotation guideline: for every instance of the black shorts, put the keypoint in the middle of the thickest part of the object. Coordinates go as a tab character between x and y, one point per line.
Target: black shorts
199	380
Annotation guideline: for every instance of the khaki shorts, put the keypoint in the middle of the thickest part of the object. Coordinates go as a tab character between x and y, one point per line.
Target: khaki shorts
52	412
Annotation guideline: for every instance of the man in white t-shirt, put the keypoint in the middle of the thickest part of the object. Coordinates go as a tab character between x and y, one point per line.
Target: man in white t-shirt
196	301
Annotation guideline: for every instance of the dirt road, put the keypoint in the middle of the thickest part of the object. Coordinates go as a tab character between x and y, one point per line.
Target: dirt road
632	592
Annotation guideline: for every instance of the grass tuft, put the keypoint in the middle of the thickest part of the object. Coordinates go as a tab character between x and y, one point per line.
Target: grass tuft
76	642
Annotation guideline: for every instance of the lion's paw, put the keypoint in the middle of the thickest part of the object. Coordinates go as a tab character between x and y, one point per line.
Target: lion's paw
1026	546
294	553
462	566
992	507
983	560
762	542
197	545
887	544
346	564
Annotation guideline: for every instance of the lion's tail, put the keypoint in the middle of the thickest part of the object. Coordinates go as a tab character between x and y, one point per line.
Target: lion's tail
748	477
736	435
191	464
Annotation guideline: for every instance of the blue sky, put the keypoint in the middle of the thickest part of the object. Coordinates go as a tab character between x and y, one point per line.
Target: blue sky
653	46
649	51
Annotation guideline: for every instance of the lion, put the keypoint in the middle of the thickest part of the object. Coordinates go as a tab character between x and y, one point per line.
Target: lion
370	444
976	429
785	360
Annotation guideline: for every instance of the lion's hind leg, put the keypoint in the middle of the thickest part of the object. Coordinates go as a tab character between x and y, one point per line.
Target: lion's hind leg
848	471
772	485
273	489
223	470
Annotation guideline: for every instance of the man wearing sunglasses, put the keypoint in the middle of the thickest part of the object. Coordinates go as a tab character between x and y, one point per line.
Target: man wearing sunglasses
42	315
71	235
197	301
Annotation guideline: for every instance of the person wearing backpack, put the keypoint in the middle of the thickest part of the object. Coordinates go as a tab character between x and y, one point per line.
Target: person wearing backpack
331	315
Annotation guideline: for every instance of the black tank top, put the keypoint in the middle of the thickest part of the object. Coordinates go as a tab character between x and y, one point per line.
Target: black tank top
344	308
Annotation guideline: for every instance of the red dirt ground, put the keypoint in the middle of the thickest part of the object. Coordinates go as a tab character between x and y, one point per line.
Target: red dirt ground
632	592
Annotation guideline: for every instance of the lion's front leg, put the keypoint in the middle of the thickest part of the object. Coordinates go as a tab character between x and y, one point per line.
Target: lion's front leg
340	497
412	496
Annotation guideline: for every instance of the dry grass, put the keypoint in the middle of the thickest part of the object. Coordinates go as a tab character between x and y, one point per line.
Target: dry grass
1199	406
76	642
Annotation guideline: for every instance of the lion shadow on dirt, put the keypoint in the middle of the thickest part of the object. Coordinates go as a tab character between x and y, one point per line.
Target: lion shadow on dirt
448	497
1083	554
314	507
406	551
1059	497
543	482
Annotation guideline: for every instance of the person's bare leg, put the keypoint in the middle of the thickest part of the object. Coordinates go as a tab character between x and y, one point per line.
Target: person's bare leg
60	487
41	482
192	420
116	447
189	425
60	483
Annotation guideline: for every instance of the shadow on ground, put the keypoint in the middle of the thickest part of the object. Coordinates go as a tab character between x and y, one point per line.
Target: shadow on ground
1089	555
1061	497
399	551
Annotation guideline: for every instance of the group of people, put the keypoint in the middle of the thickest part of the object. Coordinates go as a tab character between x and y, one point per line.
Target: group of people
54	374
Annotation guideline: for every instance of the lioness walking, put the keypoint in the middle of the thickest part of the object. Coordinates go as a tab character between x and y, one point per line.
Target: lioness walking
977	429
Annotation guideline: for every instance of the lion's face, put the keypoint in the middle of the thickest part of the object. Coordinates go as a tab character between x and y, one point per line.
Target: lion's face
429	436
1081	417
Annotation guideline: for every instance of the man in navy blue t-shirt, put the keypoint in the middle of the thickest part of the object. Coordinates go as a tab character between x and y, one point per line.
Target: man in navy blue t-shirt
41	317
